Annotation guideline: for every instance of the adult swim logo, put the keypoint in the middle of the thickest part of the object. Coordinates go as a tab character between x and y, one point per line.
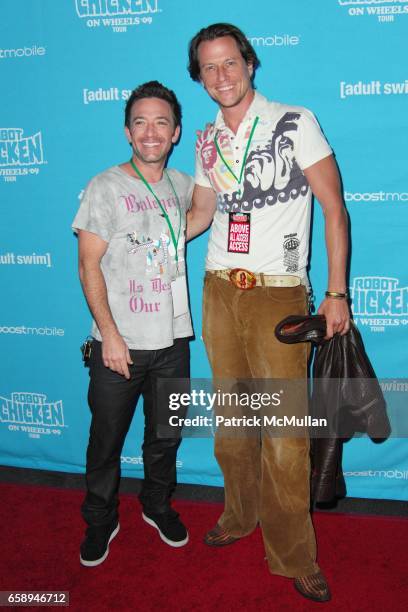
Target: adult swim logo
372	88
20	154
385	10
110	94
32	259
117	14
379	302
31	413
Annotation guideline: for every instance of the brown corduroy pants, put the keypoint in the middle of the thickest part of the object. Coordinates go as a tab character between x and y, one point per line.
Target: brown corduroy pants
266	477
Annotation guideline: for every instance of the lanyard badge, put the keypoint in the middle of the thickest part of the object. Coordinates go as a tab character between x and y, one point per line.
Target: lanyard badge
175	240
226	164
178	285
239	232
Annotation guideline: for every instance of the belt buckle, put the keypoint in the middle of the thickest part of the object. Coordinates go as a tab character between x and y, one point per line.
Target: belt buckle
242	279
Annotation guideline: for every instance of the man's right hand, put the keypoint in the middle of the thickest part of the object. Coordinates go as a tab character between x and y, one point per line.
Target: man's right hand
115	354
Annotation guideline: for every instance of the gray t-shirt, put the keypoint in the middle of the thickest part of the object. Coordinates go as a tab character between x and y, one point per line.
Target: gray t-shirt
139	263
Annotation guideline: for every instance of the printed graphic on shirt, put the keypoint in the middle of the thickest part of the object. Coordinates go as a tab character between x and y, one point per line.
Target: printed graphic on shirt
271	174
138	302
291	246
158	286
157	255
135	205
157	251
136	244
208	155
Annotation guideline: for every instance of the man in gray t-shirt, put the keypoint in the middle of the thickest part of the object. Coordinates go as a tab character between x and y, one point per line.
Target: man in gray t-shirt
131	227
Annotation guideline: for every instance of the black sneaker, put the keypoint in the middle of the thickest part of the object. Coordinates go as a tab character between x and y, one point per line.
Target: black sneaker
95	547
169	526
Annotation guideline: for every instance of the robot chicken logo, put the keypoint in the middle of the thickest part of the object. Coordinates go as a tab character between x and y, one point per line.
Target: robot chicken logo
384	10
379	302
20	154
31	413
116	14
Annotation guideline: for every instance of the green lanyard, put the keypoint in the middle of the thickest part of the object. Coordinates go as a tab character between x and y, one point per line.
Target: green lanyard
164	213
238	179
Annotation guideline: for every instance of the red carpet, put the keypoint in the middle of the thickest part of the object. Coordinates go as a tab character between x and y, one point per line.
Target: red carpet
363	557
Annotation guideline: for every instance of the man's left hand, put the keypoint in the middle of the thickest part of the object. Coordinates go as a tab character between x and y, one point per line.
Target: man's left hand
337	315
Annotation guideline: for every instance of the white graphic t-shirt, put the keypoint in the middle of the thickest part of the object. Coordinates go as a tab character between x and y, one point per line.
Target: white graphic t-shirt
139	263
273	190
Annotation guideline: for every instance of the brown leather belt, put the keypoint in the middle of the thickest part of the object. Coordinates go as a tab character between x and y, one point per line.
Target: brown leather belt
244	279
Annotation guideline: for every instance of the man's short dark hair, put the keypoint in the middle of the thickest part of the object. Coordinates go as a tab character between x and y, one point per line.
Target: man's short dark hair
154	89
218	30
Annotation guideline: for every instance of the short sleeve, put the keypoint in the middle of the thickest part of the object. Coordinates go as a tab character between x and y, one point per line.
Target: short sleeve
184	184
189	190
96	213
311	145
201	177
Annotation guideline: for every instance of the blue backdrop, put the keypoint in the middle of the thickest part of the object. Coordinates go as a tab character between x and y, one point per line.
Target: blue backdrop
66	69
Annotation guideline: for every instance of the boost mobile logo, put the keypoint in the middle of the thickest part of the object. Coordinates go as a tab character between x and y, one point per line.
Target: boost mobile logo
399	474
117	14
384	10
31	413
379	302
19	153
139	461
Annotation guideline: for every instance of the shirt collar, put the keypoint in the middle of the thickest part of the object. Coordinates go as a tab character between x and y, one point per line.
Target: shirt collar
256	108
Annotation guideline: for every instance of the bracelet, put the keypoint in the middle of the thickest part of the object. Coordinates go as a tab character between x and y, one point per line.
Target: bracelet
337	295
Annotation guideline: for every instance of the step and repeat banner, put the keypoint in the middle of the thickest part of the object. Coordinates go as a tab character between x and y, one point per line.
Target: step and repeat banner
67	67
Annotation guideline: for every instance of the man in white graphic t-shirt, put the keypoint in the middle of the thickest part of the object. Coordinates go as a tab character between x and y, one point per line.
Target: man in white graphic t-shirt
131	226
256	189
